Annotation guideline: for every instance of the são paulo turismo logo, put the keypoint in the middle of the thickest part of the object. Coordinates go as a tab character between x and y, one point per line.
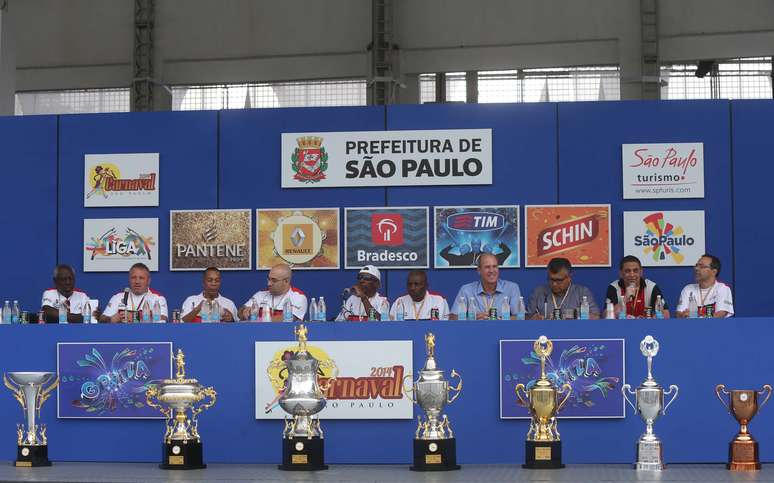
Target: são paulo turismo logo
310	161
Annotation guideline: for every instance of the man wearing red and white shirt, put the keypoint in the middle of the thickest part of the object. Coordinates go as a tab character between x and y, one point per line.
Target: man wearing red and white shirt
274	297
419	302
139	296
708	291
65	293
192	307
365	297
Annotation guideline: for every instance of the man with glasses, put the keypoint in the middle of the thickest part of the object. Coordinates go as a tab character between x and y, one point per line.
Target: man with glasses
637	291
560	298
365	298
713	297
488	292
273	299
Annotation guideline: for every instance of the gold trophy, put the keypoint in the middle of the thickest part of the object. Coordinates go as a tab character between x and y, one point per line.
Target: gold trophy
743	405
543	446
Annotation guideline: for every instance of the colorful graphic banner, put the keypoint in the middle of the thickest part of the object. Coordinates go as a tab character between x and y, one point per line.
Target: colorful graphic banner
664	238
463	233
386	237
593	367
579	233
130	179
666	170
115	244
104	380
210	238
304	238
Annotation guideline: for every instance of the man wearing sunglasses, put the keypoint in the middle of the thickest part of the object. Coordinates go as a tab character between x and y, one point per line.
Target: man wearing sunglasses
365	298
713	297
560	297
273	299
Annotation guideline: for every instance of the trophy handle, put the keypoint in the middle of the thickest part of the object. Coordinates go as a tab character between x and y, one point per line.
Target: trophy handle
457	389
409	390
721	388
207	392
17	394
328	363
569	393
150	395
765	386
522	401
46	393
674	396
627	388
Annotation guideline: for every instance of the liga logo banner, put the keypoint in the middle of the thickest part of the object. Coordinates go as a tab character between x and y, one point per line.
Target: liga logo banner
115	244
463	233
369	384
665	170
579	233
130	179
304	238
387	158
386	237
664	238
210	238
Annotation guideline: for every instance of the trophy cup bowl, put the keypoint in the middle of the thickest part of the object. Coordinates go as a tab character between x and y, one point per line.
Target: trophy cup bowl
302	396
743	405
31	390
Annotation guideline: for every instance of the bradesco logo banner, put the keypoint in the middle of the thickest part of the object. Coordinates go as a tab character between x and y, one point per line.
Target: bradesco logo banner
464	233
387	158
668	170
664	238
121	180
579	233
369	384
210	238
386	237
115	244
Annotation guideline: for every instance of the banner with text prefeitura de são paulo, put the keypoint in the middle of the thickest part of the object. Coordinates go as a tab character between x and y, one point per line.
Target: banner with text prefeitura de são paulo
387	158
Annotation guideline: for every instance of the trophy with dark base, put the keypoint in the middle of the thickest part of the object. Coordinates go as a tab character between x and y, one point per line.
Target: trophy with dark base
650	405
743	405
435	448
31	389
182	445
543	449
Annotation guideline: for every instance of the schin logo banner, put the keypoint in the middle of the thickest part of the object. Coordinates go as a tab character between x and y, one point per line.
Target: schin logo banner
210	238
580	233
665	170
130	179
386	237
664	238
304	238
463	233
115	244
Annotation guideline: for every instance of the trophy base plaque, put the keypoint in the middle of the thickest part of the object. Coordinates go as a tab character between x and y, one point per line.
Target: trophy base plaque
743	456
28	456
649	456
178	455
543	455
303	454
435	455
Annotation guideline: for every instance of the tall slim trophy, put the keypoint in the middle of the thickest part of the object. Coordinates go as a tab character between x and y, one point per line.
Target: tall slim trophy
543	447
31	389
435	448
743	405
182	445
302	398
650	404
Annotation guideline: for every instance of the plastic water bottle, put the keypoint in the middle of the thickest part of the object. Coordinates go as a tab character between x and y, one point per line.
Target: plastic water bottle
265	313
146	315
400	313
584	308
693	307
313	310
15	312
659	307
61	308
621	309
87	313
384	311
204	313
254	310
156	311
322	310
506	309
521	311
471	308
462	309
7	312
287	311
214	311
609	310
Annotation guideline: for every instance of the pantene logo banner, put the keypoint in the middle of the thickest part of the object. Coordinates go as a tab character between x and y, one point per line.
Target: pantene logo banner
666	170
369	385
121	180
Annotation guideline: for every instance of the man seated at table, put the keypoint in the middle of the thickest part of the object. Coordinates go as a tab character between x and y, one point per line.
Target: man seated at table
130	304
365	297
713	297
488	292
64	292
278	291
637	291
560	297
419	302
192	307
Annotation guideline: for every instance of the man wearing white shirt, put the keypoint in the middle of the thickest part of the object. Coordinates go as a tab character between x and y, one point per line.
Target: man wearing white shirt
65	293
279	290
138	297
365	297
192	307
708	291
419	302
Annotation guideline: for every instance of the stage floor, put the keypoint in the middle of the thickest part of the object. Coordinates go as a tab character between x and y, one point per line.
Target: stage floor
235	473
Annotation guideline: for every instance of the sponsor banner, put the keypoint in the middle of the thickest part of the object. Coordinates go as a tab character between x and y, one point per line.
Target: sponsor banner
386	237
210	238
666	170
463	233
108	380
304	238
115	244
593	367
387	158
664	238
369	383
579	233
130	179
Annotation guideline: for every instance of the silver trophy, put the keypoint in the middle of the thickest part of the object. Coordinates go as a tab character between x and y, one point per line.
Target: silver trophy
650	404
31	389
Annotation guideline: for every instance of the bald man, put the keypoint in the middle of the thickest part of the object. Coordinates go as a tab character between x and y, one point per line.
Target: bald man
489	291
279	290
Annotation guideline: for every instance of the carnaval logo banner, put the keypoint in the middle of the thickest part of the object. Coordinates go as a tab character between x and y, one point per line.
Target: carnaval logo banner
210	238
115	244
579	233
386	237
667	170
304	238
463	233
369	384
593	367
109	379
664	238
130	179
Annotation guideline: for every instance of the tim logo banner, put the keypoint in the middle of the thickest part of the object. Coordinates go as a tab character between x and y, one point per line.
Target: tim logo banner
386	237
463	233
594	368
115	244
304	238
664	238
369	385
579	233
667	170
121	180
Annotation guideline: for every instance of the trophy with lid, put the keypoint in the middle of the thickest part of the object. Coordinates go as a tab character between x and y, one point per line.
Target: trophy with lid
31	389
543	449
743	405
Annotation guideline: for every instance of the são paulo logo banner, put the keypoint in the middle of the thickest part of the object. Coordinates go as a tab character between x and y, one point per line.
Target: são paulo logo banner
387	237
664	238
210	238
463	233
130	179
579	233
115	244
304	238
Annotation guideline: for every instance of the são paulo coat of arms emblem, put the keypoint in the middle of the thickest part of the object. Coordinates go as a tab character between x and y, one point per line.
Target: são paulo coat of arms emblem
309	160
